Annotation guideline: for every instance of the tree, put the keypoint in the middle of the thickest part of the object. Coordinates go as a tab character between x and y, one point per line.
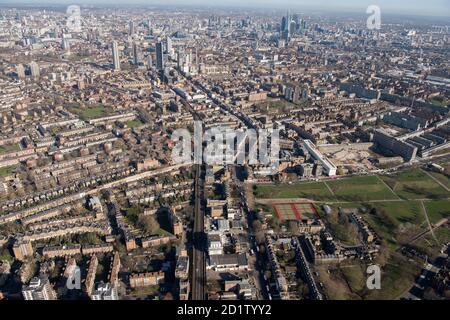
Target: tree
257	226
148	223
293	227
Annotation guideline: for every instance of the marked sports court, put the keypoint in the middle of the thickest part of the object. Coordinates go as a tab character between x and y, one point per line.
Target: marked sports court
294	211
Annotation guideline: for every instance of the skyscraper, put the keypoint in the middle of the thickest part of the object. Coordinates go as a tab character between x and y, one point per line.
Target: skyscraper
283	24
65	45
286	27
169	46
136	58
159	56
132	30
115	53
20	70
35	72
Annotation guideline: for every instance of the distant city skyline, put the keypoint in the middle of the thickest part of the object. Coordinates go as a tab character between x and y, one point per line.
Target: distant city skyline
439	8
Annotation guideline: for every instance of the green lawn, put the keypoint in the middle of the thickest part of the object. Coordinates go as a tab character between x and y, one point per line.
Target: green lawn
94	112
6	171
349	189
355	276
8	148
399	221
360	189
311	190
395	222
134	123
145	291
441	178
441	102
415	184
428	244
348	280
397	276
412	184
437	210
89	113
403	212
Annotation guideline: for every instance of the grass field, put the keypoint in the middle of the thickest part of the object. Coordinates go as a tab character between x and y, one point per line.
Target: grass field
428	244
437	210
410	185
134	123
441	178
311	190
89	113
8	148
415	184
350	189
348	280
145	291
93	113
441	102
5	171
397	276
361	189
397	222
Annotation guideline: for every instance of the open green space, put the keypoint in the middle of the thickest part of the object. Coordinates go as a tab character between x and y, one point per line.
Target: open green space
349	189
348	280
134	123
89	113
415	184
311	190
428	244
361	189
397	276
440	101
396	222
437	210
412	184
145	291
94	112
8	148
442	178
6	171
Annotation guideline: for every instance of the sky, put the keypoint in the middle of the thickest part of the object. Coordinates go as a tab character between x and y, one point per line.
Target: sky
407	7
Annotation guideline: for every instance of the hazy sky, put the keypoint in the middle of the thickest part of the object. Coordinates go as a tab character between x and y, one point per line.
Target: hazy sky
420	7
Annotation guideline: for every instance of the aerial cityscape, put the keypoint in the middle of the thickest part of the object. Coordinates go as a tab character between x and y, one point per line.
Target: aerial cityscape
201	152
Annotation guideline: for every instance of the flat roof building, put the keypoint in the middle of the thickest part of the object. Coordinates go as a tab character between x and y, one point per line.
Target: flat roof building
328	167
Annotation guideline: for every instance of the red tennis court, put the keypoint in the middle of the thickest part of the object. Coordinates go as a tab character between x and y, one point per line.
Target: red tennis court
294	211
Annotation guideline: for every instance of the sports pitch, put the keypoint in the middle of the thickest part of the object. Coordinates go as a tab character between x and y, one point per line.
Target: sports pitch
294	211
